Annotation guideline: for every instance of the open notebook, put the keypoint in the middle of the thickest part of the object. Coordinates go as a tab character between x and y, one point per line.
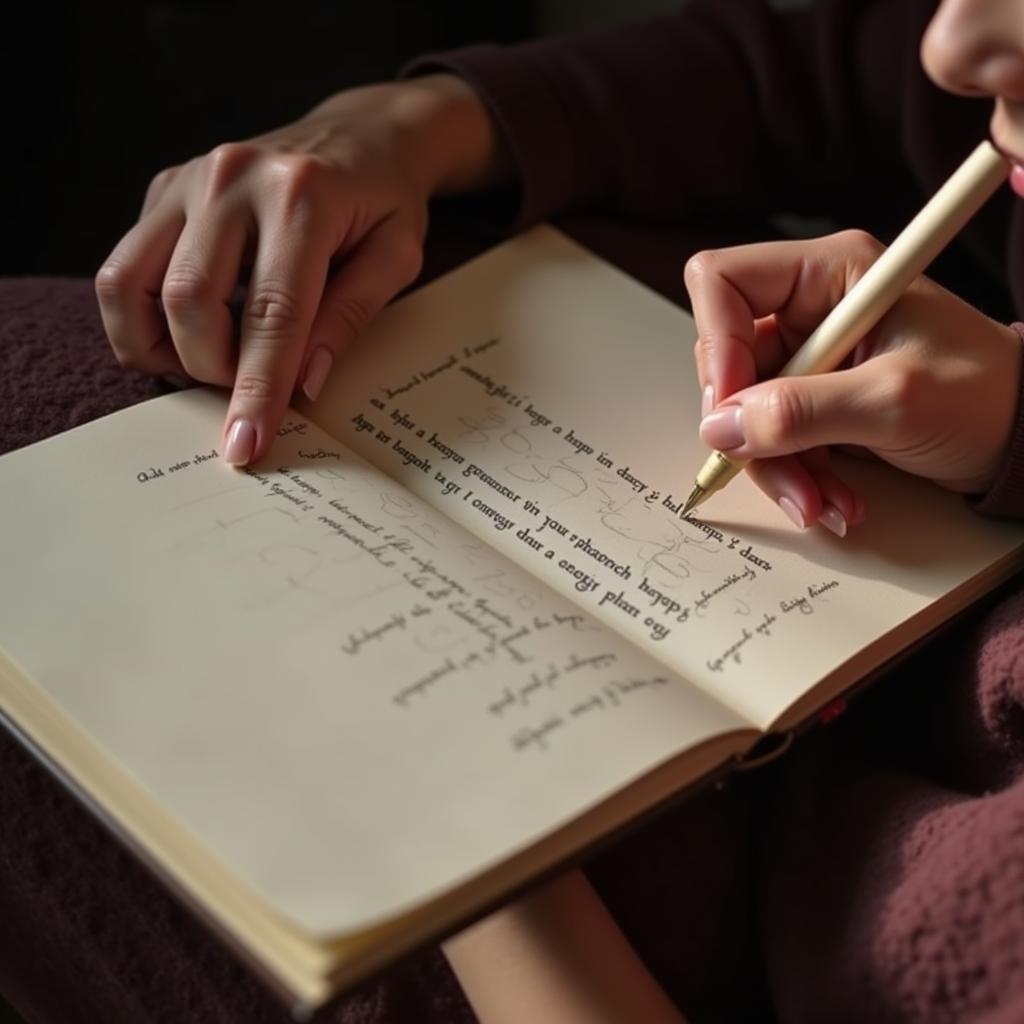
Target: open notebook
452	631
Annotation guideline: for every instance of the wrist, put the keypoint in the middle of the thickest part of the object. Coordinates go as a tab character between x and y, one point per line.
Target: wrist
434	130
452	143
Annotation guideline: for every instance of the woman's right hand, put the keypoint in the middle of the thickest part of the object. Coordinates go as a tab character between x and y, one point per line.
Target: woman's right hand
932	389
328	212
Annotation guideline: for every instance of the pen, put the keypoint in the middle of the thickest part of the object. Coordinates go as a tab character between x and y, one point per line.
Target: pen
967	189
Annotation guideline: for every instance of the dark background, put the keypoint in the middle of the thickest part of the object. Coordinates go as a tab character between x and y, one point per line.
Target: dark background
101	96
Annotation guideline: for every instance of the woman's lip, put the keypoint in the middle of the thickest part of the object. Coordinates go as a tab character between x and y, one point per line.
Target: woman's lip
1016	169
1017	179
1008	153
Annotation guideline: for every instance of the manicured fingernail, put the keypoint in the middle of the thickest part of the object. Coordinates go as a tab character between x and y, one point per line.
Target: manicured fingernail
316	373
723	428
832	519
241	442
707	401
790	507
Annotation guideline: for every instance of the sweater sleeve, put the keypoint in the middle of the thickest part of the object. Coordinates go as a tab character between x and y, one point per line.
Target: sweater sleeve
1005	498
724	107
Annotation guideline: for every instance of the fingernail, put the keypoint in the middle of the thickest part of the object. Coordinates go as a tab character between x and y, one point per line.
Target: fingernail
723	428
790	507
707	402
241	442
832	519
316	373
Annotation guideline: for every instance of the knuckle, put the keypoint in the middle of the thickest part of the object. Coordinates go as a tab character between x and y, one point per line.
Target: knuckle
908	392
113	280
185	287
271	311
298	178
861	243
787	417
162	179
703	348
353	313
250	385
699	265
227	162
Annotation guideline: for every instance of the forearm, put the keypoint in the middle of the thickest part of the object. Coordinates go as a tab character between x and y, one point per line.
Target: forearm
556	956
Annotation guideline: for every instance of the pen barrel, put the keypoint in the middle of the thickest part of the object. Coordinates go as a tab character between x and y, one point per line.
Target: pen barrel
911	252
717	471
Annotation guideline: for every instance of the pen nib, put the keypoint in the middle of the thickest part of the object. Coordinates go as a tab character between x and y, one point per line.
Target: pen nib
697	495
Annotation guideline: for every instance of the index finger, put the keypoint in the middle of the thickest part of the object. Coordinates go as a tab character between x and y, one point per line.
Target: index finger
755	304
287	282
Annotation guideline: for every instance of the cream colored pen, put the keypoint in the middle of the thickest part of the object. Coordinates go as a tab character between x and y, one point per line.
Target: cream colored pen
967	189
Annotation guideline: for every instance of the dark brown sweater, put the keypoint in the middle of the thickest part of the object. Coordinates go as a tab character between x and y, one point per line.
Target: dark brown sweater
729	108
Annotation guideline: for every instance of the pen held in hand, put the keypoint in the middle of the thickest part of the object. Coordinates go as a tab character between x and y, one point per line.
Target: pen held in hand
963	194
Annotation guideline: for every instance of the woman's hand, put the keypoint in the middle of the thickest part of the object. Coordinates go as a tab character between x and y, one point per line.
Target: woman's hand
932	389
329	213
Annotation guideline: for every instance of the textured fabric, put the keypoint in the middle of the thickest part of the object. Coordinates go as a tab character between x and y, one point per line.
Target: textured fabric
892	884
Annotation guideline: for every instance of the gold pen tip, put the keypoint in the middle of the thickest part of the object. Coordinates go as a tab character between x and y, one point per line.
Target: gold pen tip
697	495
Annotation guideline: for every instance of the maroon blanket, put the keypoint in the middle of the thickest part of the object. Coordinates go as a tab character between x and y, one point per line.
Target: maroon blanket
876	873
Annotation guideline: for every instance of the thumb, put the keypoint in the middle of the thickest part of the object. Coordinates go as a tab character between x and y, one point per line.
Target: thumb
794	414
